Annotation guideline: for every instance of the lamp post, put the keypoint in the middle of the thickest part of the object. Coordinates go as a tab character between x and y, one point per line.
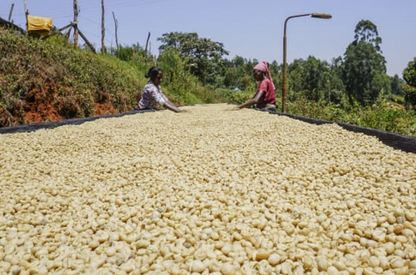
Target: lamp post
314	15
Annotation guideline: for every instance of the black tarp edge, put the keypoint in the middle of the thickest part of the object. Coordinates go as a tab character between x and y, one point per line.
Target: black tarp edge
50	125
396	141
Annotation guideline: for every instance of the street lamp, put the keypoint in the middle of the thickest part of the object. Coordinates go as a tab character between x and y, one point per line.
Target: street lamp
314	15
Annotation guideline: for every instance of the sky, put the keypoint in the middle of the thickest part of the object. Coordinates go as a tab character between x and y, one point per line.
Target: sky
251	29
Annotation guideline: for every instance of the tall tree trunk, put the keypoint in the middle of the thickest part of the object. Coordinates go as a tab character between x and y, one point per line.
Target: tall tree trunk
116	28
102	28
76	23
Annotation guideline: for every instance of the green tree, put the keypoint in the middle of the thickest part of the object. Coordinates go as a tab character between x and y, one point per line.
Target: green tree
295	87
397	85
363	63
409	76
202	56
315	80
315	77
380	86
366	31
234	73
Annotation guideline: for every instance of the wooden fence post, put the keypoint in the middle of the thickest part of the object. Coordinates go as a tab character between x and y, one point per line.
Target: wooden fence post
10	14
76	23
116	28
26	13
86	41
102	27
146	49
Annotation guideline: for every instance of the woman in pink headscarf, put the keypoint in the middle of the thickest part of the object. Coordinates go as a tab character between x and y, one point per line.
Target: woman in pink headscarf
265	98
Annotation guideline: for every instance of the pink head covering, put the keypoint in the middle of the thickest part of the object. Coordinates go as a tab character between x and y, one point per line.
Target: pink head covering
262	66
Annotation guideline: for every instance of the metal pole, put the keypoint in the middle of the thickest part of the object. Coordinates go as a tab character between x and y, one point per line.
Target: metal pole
284	71
284	85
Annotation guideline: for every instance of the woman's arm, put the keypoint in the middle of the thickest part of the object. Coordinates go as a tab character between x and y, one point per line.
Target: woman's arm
169	105
164	101
252	101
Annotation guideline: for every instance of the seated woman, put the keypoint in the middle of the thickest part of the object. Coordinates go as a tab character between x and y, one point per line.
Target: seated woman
152	96
265	97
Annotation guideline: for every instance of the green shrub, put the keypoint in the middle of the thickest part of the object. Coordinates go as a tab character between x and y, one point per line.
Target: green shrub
233	96
382	115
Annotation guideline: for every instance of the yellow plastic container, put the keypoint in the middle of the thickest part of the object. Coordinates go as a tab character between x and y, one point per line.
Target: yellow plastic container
39	25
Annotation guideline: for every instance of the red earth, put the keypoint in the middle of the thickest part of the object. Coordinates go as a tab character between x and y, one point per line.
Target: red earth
45	105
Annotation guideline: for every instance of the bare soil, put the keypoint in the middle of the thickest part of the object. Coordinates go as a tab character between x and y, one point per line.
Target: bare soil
46	105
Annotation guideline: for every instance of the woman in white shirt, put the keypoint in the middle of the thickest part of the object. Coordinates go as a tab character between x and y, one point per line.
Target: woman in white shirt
152	96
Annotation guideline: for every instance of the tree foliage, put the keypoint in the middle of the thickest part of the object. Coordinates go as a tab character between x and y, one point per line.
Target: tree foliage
363	63
409	76
366	31
202	56
238	73
397	85
315	80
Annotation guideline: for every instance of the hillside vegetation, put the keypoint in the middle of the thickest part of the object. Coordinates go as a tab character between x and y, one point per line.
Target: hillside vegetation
50	80
47	80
